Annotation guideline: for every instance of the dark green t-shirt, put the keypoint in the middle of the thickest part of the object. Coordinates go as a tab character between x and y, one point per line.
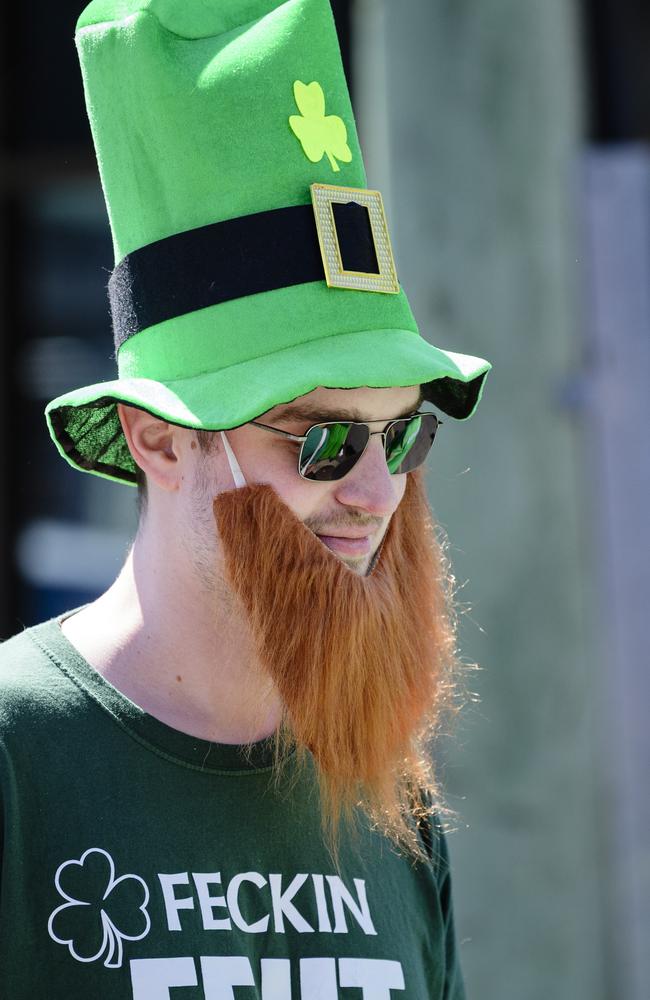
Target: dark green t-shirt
141	862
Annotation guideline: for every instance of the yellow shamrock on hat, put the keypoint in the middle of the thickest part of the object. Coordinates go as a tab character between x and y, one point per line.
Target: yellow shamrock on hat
319	133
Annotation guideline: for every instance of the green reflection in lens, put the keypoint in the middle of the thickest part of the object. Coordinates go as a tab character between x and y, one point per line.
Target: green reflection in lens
401	445
323	444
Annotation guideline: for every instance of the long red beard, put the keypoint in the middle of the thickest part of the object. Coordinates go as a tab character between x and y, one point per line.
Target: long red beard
362	663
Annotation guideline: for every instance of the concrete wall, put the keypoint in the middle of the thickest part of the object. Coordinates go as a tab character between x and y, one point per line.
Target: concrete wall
470	118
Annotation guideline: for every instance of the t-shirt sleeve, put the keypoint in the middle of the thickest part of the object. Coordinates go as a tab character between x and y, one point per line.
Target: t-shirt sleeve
454	987
435	843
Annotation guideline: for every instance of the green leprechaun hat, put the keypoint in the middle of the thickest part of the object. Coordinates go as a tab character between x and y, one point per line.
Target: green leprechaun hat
252	265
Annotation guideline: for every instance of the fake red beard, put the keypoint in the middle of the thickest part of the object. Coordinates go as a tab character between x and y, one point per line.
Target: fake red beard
359	661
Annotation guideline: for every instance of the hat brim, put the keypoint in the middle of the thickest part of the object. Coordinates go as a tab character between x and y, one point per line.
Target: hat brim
85	426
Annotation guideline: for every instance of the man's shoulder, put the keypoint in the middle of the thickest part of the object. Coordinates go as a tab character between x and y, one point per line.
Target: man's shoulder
31	682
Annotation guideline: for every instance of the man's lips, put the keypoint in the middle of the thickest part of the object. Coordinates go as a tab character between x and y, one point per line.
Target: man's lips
348	545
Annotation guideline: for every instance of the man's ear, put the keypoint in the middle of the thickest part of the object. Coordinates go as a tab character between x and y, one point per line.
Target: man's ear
154	445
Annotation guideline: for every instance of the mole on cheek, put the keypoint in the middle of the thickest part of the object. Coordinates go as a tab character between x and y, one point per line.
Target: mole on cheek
178	677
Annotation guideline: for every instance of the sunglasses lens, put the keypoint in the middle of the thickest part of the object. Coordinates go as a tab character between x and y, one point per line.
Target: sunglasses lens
409	441
331	450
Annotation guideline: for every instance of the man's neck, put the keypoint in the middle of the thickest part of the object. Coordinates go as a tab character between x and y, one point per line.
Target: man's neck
183	655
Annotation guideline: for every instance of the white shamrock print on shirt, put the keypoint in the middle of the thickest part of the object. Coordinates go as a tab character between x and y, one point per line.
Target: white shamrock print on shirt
100	911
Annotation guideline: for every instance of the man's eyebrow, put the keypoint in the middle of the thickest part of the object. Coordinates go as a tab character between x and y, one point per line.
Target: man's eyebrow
319	414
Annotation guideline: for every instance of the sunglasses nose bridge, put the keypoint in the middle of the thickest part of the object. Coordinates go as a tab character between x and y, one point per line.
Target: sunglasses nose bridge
384	437
384	441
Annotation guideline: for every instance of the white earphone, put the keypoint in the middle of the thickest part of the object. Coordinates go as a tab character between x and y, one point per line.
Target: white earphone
237	474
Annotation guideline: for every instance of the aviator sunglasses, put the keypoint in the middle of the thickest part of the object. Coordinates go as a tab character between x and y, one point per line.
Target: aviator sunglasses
331	449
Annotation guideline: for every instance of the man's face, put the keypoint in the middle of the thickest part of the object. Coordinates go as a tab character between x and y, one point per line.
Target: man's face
349	515
355	657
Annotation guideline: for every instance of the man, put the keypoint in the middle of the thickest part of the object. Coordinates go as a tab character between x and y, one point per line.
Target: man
215	777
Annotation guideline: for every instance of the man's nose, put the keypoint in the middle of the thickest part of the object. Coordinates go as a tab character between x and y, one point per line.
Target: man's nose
370	485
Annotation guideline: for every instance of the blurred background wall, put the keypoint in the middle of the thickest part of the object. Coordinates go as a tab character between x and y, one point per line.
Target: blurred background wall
510	141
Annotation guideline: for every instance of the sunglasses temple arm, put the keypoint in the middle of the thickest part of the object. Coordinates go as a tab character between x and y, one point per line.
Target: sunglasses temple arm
237	474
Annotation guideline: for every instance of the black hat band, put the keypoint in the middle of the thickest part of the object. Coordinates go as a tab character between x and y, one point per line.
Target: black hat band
230	260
